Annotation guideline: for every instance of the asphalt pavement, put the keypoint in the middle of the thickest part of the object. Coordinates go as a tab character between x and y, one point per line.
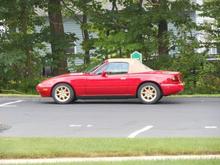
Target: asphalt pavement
171	117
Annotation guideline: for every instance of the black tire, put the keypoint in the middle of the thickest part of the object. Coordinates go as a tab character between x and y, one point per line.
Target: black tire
67	94
160	97
152	97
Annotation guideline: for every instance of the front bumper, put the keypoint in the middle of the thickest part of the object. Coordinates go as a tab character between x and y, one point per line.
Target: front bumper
169	89
43	90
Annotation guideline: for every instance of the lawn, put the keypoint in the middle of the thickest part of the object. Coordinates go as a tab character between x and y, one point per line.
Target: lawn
161	162
97	147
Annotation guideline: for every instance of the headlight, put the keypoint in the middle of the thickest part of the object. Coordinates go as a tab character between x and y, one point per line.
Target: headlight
46	83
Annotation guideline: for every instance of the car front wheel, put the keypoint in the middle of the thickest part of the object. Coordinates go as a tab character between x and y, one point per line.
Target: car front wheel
149	93
63	93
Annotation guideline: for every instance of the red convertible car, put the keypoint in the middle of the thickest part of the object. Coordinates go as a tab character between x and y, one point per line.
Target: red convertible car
113	78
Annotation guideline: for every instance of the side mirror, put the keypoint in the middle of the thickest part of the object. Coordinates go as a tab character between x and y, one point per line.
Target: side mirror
104	74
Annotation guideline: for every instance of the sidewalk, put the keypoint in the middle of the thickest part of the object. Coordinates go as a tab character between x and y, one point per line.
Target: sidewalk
107	159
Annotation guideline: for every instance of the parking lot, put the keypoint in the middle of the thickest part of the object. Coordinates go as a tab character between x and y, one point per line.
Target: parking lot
172	117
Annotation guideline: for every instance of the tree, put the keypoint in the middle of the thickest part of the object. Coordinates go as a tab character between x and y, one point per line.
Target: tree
57	37
167	12
80	10
211	9
19	60
119	31
140	25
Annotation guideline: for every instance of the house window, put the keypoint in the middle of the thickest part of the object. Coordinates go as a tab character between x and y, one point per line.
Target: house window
72	48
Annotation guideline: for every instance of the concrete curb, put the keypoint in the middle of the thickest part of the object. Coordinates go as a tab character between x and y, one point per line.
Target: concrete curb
107	159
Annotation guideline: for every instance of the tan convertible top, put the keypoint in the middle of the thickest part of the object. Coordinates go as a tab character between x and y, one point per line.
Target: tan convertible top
135	66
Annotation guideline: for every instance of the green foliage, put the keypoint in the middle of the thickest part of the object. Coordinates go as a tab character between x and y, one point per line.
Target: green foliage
127	26
15	73
122	32
94	61
20	63
199	74
211	9
195	68
209	80
135	26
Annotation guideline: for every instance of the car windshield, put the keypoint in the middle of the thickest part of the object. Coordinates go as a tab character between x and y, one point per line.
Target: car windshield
91	68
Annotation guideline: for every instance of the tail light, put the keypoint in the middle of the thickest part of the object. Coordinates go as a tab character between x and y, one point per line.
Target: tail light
175	78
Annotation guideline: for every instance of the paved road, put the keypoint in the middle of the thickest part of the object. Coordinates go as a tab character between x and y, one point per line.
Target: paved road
172	117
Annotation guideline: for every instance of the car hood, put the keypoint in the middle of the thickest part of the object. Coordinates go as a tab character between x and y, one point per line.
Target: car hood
70	74
53	80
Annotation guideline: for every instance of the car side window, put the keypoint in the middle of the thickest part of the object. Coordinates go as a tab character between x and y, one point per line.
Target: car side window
114	68
117	68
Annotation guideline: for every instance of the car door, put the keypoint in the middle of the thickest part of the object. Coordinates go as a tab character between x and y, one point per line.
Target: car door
110	80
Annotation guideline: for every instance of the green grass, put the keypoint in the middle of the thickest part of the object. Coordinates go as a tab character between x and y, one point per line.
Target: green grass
95	147
161	162
17	95
196	95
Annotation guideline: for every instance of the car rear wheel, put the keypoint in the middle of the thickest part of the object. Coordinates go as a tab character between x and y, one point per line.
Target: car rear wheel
149	93
63	93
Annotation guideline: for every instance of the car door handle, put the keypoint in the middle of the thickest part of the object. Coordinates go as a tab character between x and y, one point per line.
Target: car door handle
123	78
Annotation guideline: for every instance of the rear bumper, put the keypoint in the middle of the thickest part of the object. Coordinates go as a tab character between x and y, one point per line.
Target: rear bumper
169	89
43	91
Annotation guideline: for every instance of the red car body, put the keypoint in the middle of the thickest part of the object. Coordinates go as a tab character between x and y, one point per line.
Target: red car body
122	84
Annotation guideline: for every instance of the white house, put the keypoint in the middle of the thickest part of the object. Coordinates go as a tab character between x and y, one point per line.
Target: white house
201	35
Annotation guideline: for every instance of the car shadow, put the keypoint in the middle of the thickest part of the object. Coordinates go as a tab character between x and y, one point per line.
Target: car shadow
117	101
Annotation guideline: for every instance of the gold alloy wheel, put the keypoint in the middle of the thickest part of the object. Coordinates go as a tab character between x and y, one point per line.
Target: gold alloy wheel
148	93
62	93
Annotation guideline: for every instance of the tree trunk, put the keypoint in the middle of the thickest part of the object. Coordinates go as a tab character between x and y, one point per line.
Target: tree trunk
23	28
85	39
114	5
57	37
163	43
141	3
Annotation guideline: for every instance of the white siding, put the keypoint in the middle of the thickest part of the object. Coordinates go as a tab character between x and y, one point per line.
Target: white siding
72	26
